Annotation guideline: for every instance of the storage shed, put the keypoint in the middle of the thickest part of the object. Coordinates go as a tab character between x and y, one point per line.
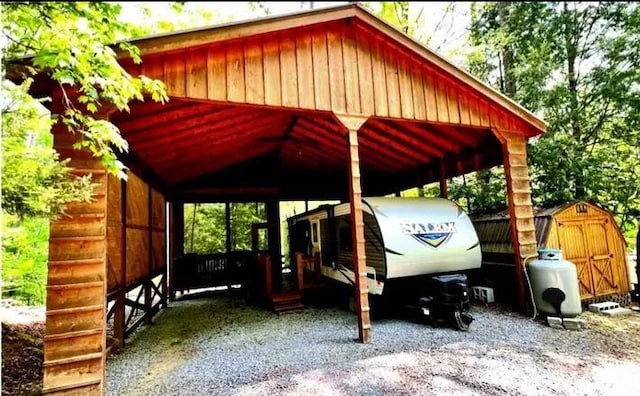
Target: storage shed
588	236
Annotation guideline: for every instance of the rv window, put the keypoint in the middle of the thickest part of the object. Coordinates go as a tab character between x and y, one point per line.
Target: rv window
346	243
314	232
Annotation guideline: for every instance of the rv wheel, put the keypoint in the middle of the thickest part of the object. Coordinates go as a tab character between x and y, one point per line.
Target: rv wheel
463	320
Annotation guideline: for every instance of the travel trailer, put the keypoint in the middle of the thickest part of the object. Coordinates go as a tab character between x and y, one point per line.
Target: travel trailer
408	241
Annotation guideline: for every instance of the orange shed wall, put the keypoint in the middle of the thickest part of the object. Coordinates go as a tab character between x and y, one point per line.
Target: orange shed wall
340	66
572	240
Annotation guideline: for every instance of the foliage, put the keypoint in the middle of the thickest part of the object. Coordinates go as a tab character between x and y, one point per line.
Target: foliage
71	42
24	258
261	5
205	226
410	18
34	182
576	64
168	17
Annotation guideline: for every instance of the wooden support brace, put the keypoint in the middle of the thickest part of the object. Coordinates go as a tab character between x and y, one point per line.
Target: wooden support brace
352	125
523	237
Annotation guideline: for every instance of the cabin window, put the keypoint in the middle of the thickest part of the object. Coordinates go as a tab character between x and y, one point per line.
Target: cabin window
346	241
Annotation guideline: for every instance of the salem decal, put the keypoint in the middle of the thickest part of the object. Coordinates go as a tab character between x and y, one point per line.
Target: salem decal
433	234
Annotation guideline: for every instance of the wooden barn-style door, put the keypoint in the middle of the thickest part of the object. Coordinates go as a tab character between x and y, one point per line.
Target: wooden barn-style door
586	244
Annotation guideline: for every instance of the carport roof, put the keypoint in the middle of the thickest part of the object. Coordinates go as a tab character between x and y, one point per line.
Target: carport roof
255	109
191	38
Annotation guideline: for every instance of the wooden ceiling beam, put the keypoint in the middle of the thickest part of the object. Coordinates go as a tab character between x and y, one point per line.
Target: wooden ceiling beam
340	146
398	133
463	139
223	118
184	145
328	134
146	108
368	143
384	141
371	159
241	140
171	118
421	131
200	168
339	142
292	151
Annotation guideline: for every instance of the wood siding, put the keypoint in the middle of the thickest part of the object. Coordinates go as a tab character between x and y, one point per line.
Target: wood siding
523	232
341	66
74	344
136	246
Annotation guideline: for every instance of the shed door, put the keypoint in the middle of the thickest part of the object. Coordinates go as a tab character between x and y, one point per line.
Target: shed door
601	257
585	243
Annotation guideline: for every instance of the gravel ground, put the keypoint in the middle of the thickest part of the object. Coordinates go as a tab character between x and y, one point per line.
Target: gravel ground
205	347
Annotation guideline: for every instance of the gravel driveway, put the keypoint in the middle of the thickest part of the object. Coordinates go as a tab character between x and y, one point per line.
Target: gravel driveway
205	347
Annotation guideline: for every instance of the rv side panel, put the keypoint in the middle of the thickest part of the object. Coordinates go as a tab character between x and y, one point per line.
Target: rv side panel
374	247
327	241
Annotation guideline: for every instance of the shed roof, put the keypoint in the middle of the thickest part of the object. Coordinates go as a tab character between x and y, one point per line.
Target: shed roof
494	230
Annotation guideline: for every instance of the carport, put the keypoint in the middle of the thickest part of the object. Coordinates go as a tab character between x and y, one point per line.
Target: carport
325	104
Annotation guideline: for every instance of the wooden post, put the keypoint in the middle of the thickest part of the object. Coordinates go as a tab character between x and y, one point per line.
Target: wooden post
178	228
444	191
119	324
168	252
352	124
273	232
227	225
177	242
265	262
75	340
523	235
300	271
147	284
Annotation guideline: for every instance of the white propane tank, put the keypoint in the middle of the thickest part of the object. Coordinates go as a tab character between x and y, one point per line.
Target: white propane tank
548	273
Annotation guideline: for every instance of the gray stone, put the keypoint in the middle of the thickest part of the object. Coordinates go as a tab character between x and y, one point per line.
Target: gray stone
603	306
555	322
575	324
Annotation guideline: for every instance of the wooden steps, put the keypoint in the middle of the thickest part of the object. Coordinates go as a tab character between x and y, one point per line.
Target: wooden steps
289	301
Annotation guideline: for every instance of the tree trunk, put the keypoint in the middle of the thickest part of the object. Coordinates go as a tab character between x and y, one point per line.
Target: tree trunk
571	38
508	82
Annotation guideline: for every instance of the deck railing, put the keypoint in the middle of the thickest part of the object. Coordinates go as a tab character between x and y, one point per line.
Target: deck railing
196	271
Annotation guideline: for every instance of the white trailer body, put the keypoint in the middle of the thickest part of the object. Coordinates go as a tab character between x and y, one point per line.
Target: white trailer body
404	238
